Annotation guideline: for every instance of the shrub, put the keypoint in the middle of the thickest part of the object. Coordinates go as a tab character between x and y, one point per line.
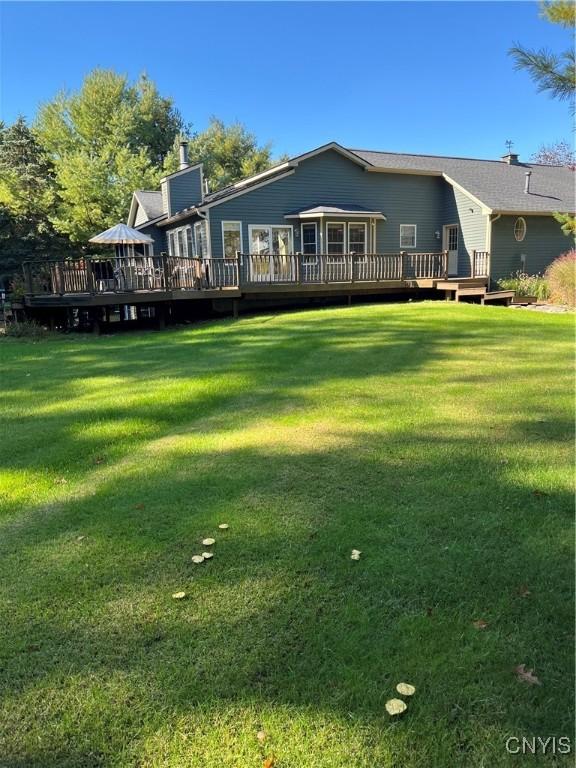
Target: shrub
526	285
561	277
25	329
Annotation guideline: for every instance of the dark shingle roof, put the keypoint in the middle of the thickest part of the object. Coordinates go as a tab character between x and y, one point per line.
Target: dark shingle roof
151	202
495	183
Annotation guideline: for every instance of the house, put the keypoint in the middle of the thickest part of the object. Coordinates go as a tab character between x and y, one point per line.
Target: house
335	201
333	222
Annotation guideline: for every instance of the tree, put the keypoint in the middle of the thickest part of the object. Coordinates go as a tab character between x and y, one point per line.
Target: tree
229	153
559	153
27	197
555	73
105	141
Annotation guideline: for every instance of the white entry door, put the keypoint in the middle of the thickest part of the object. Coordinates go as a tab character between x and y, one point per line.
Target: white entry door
450	244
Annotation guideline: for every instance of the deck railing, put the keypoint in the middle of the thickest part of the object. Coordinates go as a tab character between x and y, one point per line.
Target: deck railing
102	275
480	264
345	268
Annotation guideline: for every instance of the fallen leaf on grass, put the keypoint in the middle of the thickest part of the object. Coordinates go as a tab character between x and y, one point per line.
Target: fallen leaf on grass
269	762
197	559
539	493
355	554
179	595
429	611
139	506
207	555
526	675
208	542
405	689
60	481
223	526
80	538
395	707
261	736
98	460
480	624
523	591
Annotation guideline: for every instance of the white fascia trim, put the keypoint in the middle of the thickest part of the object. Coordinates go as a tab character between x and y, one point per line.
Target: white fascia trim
245	191
132	213
367	215
530	213
149	222
274	169
485	208
337	148
181	172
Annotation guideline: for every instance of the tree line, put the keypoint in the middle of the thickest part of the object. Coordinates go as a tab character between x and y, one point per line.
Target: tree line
71	173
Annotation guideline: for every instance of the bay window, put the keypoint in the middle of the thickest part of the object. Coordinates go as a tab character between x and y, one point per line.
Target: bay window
335	238
357	237
309	232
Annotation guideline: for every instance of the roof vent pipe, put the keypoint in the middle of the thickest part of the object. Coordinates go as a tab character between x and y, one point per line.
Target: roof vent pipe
183	155
527	182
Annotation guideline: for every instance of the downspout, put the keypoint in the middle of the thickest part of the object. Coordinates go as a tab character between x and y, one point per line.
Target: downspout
491	221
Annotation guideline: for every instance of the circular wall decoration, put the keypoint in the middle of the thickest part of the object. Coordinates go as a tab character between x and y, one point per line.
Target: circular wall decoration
520	229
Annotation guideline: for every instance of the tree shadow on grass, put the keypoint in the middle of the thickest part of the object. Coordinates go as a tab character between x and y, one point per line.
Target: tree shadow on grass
281	616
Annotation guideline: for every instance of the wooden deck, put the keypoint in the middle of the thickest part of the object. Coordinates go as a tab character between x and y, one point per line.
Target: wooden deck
101	281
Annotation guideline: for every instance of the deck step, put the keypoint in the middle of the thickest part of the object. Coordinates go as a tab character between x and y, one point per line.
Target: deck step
471	290
506	296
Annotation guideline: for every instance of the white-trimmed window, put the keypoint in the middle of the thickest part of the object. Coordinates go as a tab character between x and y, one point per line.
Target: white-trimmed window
407	235
171	244
201	239
309	236
231	238
266	239
180	242
357	237
335	238
189	242
520	229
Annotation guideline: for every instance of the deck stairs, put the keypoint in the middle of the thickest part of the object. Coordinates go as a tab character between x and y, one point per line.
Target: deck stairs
472	288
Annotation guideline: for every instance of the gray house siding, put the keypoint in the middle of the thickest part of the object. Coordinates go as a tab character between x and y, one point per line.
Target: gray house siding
184	190
141	216
544	242
157	235
330	178
460	209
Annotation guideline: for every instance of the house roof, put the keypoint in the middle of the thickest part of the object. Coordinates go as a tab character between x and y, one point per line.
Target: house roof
151	202
496	184
334	210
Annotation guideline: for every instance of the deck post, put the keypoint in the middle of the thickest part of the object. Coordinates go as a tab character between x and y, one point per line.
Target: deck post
89	277
299	268
238	267
352	267
473	270
235	309
402	255
445	253
165	272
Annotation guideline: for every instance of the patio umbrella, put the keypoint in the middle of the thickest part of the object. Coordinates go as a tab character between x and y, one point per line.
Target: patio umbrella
121	234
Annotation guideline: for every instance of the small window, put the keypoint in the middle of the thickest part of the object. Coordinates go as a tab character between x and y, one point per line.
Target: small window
407	235
309	239
180	240
171	247
231	238
357	238
520	229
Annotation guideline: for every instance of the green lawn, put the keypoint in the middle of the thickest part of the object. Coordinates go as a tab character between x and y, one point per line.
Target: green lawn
435	438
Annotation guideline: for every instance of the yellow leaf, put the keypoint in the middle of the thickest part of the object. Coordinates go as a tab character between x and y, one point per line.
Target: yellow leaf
208	542
223	526
197	559
179	595
405	689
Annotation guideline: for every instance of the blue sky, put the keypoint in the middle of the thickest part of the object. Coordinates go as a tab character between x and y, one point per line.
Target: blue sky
429	77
